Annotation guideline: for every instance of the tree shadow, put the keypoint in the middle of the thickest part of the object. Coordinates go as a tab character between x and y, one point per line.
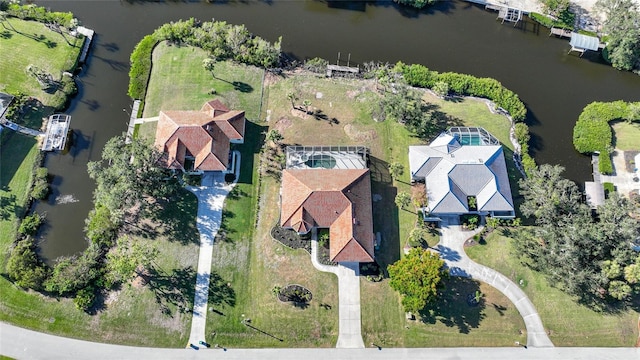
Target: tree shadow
177	217
452	307
242	87
15	148
111	47
220	291
254	137
385	213
6	34
174	288
447	253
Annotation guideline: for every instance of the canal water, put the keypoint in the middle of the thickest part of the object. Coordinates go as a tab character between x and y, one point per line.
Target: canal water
451	36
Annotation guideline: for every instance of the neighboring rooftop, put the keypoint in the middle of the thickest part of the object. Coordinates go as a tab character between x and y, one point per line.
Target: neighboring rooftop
463	163
199	140
335	198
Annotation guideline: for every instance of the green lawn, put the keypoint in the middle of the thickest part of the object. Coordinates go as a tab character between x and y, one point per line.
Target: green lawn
626	136
569	323
28	42
147	130
179	82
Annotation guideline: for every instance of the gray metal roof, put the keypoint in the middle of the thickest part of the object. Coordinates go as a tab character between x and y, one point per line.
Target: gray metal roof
586	42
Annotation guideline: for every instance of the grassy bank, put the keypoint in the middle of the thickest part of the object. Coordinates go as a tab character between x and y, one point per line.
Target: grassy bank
27	43
569	323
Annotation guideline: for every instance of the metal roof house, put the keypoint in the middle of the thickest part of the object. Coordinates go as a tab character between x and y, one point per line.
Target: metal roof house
465	172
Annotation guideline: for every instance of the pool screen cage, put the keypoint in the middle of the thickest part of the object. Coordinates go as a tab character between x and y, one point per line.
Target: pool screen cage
327	157
467	135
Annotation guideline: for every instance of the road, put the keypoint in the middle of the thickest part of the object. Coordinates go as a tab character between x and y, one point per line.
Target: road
26	344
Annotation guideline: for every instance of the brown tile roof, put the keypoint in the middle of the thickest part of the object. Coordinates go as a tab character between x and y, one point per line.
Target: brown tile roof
203	134
337	199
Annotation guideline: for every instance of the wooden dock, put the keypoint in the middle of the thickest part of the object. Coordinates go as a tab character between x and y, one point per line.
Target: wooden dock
132	120
510	15
559	32
343	69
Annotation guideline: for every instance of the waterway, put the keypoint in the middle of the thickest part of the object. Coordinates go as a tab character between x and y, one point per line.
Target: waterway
451	36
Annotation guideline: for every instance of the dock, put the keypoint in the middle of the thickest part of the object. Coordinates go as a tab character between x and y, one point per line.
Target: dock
510	15
55	137
593	190
132	120
88	33
343	69
559	32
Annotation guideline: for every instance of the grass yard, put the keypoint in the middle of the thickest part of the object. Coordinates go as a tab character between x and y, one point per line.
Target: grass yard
350	102
626	136
179	82
28	42
147	130
569	323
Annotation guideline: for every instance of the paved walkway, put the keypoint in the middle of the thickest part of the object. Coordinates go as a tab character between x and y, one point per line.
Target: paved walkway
211	195
350	327
24	344
451	249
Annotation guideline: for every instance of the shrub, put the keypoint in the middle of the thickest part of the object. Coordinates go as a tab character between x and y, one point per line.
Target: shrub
30	224
316	65
72	274
24	267
40	188
608	187
100	229
604	163
141	67
40	14
85	298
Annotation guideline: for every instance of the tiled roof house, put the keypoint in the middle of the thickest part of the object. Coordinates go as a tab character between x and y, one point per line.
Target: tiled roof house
454	172
337	199
199	140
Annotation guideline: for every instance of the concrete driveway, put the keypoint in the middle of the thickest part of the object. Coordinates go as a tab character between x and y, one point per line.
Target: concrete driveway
451	249
350	326
211	195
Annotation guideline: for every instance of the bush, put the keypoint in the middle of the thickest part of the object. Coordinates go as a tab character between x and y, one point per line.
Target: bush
608	188
316	65
100	229
24	267
592	132
141	67
72	274
40	14
40	188
604	163
418	4
30	224
85	298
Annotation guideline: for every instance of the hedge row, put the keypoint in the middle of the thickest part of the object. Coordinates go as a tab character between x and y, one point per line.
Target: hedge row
141	67
38	13
592	132
523	137
468	85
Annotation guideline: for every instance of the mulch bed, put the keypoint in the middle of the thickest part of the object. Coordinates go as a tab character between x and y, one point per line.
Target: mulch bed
295	293
290	238
629	157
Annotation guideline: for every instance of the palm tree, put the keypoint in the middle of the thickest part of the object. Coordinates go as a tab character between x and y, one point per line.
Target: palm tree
292	97
274	136
306	104
396	169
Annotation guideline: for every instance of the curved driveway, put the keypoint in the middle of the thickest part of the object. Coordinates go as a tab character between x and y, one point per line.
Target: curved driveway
451	249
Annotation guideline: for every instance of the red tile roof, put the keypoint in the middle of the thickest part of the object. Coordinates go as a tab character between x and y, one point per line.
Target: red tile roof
203	134
337	199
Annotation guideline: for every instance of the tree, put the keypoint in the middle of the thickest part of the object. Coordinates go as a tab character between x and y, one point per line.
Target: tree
407	107
99	227
403	199
128	256
209	65
396	169
417	277
127	174
418	236
274	136
307	105
418	4
74	273
25	267
293	98
30	224
621	26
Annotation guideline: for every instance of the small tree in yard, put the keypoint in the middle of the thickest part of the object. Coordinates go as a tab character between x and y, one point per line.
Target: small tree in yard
307	105
209	65
292	97
403	199
417	277
396	169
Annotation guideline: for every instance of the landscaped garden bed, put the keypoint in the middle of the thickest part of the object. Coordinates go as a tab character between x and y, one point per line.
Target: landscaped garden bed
290	238
293	293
